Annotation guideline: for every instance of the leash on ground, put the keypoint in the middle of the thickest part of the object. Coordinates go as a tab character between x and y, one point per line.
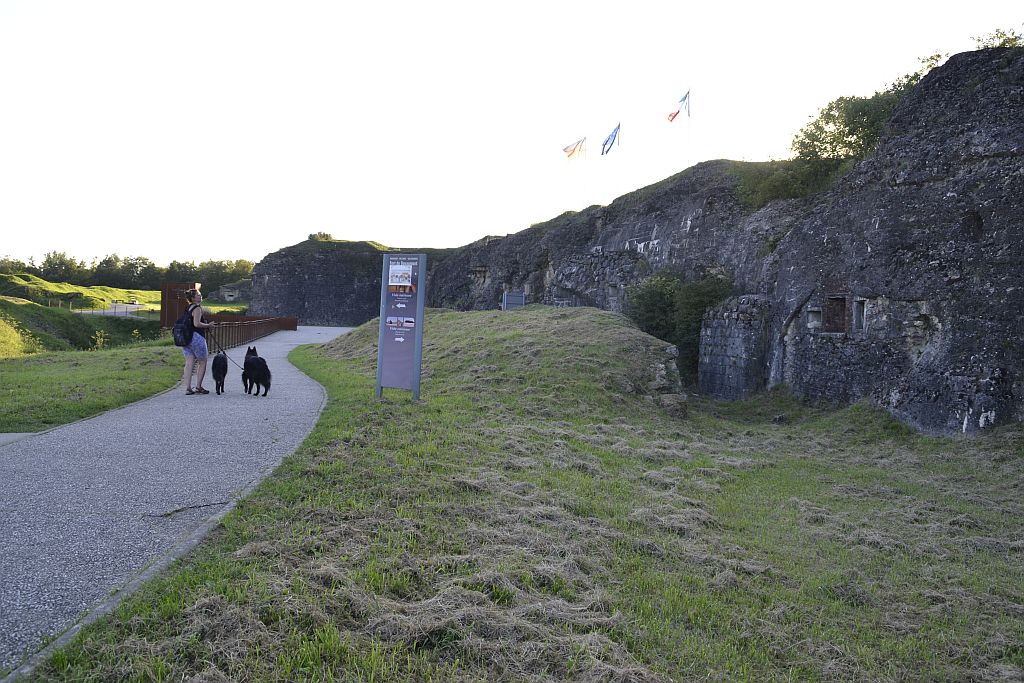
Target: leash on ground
219	346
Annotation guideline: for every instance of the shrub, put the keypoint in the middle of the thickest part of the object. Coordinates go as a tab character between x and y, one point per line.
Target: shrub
666	307
845	131
650	305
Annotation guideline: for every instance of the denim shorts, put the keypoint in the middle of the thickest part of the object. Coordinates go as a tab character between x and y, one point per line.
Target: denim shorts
197	347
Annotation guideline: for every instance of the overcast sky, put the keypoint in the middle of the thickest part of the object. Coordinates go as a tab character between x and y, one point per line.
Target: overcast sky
225	130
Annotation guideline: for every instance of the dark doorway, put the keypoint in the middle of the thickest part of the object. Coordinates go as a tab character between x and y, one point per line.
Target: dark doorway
835	314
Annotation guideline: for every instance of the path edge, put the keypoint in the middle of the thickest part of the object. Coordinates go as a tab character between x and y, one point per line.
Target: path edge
160	563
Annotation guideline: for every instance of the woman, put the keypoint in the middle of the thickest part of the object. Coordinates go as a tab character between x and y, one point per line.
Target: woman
196	352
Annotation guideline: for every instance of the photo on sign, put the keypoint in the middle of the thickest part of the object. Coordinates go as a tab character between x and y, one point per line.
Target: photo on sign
400	274
402	289
408	322
393	321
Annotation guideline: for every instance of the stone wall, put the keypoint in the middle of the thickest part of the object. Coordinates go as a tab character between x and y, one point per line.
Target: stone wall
733	348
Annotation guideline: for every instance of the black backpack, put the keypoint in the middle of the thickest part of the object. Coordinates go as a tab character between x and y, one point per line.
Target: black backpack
182	330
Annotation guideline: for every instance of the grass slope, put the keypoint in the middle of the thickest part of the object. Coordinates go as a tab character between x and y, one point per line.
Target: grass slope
537	517
27	327
26	286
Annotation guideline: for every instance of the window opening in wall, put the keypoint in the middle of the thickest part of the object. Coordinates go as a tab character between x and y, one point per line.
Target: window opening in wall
859	319
835	314
813	318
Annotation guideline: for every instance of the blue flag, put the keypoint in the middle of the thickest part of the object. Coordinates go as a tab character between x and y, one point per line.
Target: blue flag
606	146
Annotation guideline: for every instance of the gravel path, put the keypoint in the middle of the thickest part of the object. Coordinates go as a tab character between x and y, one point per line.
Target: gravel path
86	507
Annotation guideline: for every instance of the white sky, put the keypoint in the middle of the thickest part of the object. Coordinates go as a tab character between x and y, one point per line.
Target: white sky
229	129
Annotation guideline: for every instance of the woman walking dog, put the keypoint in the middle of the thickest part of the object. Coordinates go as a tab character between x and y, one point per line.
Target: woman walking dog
196	352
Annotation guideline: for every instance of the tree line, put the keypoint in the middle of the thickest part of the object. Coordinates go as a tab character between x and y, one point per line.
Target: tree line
129	272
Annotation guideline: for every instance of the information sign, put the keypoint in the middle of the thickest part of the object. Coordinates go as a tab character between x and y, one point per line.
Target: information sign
400	341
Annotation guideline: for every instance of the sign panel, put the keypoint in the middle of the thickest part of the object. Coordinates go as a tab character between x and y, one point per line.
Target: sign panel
400	341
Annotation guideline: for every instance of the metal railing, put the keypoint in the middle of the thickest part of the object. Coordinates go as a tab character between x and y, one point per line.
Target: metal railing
234	330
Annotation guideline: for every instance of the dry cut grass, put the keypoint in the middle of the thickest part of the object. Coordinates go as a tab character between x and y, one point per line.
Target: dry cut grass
553	510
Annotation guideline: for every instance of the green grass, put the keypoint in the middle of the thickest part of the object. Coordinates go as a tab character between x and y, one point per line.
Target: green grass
762	182
537	517
27	327
44	390
233	307
26	286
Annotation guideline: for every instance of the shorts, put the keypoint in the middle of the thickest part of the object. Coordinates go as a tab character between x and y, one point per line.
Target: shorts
197	347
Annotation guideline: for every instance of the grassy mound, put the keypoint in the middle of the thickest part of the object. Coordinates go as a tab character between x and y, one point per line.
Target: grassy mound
541	361
543	515
26	286
27	327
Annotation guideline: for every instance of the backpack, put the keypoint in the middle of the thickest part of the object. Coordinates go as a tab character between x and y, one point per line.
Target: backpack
182	330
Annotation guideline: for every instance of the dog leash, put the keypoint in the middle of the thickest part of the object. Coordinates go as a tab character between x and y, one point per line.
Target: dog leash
219	346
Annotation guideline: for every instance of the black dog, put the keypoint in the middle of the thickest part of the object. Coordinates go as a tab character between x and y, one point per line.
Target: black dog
220	370
255	373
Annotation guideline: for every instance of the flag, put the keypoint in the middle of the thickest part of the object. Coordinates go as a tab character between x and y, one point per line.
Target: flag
606	146
683	102
575	149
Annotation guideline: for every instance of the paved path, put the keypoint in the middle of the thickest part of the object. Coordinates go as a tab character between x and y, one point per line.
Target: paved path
122	310
86	507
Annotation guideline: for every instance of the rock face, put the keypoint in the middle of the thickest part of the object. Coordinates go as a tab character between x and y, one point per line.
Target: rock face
692	223
329	282
902	285
320	283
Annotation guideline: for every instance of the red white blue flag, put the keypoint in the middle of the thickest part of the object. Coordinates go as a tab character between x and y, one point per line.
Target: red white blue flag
684	103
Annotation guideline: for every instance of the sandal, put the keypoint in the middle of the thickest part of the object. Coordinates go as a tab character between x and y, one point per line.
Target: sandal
189	392
200	390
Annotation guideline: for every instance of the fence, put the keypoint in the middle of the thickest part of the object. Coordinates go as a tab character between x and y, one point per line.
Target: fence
116	308
235	330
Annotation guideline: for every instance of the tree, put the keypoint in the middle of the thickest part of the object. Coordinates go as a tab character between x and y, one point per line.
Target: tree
178	271
848	129
131	272
10	265
107	271
215	274
150	275
999	38
59	267
321	237
137	269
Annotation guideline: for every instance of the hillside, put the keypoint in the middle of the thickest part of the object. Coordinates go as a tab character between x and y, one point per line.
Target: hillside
32	288
545	515
27	327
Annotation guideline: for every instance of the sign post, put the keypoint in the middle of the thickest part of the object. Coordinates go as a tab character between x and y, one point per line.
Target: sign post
400	341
